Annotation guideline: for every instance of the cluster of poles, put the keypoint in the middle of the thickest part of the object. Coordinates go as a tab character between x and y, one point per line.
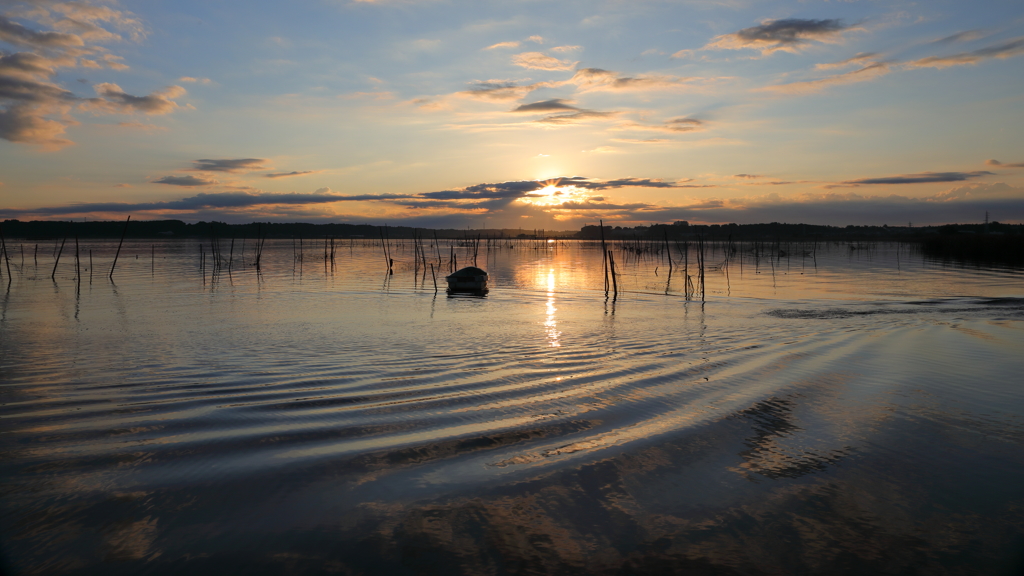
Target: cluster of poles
58	252
693	285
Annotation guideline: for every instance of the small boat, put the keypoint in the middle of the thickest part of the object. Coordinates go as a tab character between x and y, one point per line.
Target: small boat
468	280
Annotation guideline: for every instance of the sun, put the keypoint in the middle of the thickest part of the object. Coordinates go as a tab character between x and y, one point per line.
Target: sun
555	195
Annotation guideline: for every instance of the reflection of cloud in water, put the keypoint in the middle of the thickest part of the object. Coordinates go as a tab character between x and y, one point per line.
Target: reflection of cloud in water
775	450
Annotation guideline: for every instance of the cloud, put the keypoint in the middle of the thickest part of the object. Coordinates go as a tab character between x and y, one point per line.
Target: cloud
229	165
540	61
1001	165
287	174
864	74
859	59
33	110
498	90
23	124
553	105
676	125
114	99
31	66
14	33
788	35
510	44
597	79
576	117
537	39
191	80
566	48
82	18
965	36
1008	49
747	176
922	178
228	200
184	181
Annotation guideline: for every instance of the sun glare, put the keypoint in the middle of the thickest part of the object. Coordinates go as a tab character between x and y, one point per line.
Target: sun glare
554	195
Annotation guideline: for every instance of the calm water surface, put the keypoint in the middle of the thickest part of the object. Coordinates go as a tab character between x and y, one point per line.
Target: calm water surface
838	410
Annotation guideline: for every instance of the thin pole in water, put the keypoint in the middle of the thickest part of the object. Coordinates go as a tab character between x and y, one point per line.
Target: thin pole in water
7	258
118	253
57	261
611	263
434	276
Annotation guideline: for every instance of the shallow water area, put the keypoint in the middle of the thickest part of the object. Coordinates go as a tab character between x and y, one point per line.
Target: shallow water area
846	408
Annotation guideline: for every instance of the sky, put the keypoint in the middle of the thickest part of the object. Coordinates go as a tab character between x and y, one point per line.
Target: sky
513	113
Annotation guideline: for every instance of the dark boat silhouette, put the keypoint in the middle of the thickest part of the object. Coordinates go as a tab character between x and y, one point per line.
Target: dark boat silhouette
470	280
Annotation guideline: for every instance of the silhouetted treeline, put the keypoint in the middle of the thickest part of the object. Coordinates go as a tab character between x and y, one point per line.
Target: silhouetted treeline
793	232
993	243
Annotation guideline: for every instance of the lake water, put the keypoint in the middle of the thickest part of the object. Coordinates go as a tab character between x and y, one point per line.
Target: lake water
843	409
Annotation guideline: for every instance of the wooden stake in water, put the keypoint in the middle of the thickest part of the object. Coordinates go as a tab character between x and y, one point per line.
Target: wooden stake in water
434	276
78	267
3	246
615	283
57	261
118	253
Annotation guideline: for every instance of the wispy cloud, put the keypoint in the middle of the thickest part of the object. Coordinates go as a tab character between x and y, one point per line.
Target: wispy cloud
113	99
1008	49
864	74
859	60
999	164
965	36
675	125
922	178
232	165
576	117
498	90
541	61
787	35
14	33
185	181
553	105
289	174
510	44
597	79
